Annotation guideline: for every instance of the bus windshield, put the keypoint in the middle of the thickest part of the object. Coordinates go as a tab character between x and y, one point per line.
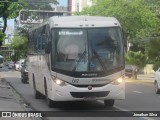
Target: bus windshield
87	50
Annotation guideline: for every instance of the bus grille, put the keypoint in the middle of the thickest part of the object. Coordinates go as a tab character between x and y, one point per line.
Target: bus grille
83	86
89	94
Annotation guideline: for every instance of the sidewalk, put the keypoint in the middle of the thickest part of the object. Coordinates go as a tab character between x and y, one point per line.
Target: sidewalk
146	78
10	101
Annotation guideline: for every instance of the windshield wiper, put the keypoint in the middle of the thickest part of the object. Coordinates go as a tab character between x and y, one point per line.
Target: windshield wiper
80	59
99	59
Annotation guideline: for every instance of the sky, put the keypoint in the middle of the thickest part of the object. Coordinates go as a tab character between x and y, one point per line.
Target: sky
63	2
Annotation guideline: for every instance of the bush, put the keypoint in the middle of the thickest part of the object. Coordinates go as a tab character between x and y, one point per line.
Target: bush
156	65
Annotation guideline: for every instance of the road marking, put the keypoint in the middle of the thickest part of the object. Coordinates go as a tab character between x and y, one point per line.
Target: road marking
137	92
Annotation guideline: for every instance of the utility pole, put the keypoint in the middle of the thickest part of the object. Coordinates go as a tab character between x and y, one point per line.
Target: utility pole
78	8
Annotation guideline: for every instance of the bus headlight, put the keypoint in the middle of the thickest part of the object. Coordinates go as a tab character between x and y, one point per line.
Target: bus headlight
59	82
117	81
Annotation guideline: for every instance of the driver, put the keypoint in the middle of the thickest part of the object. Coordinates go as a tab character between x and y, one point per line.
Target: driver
72	52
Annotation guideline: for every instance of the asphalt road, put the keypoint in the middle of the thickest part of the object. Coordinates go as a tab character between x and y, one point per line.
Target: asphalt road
140	96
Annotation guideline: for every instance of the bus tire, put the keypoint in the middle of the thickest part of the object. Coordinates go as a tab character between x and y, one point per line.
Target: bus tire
50	102
157	90
37	94
109	103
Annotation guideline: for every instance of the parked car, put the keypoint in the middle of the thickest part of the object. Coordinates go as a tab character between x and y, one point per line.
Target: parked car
24	72
157	81
128	70
11	65
7	63
17	65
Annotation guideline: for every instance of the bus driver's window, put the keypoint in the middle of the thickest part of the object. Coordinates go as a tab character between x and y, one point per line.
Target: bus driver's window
71	52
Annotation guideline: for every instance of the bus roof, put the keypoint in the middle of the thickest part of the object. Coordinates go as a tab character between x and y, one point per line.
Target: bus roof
83	21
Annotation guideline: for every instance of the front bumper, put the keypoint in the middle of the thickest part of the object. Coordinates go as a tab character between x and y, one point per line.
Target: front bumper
71	92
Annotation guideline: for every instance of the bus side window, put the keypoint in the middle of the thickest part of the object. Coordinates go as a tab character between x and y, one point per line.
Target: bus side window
43	42
43	39
47	39
37	44
124	40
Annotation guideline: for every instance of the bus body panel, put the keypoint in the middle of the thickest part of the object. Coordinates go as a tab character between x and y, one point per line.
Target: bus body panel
40	68
59	93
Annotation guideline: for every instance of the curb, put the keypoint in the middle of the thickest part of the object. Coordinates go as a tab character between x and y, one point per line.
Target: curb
20	99
139	81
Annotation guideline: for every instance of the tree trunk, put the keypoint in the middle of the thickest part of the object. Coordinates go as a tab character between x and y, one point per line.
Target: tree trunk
5	24
135	68
5	15
135	74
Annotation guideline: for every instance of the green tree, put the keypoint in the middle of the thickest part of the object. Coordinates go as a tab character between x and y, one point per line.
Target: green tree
19	44
137	19
40	4
24	31
2	37
153	52
137	59
156	65
9	9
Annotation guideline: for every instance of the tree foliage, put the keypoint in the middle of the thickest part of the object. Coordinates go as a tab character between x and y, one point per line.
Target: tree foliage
19	44
10	8
24	30
138	59
2	37
40	4
135	16
153	52
156	65
153	49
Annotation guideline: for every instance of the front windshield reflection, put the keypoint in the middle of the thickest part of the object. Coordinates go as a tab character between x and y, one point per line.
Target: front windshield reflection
98	49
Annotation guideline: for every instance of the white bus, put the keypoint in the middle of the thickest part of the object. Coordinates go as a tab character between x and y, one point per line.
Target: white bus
75	58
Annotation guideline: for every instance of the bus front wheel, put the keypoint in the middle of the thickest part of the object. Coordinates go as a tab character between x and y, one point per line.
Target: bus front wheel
37	94
157	90
51	103
109	103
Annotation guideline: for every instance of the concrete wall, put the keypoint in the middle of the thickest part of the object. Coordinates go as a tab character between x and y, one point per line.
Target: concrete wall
148	69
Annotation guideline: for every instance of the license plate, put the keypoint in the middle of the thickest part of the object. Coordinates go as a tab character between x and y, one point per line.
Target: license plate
90	98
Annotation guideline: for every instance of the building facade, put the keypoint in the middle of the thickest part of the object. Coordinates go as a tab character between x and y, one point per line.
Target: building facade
78	5
5	50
